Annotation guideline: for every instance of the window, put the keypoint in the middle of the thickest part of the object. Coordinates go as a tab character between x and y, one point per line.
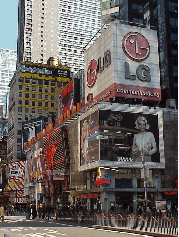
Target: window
18	147
33	81
52	104
46	97
26	102
26	110
39	103
20	87
33	103
46	89
20	101
26	95
46	104
33	110
20	94
46	82
33	88
18	132
52	90
27	80
18	140
40	82
27	88
174	22
20	109
40	89
33	95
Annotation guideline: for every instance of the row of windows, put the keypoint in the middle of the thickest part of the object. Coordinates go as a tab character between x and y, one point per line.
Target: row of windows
27	88
35	103
38	81
39	96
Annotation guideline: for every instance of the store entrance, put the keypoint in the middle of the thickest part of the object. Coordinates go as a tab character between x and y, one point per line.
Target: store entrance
124	202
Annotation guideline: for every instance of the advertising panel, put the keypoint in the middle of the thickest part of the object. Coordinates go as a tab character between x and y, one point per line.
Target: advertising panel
128	137
44	72
30	129
89	145
16	176
54	150
123	62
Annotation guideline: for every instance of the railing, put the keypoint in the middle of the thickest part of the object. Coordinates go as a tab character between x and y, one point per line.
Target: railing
163	224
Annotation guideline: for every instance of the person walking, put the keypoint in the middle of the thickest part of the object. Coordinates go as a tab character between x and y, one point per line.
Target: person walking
28	211
2	212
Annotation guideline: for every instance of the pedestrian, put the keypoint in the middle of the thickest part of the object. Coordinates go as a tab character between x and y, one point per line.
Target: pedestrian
43	210
48	209
2	212
28	211
34	212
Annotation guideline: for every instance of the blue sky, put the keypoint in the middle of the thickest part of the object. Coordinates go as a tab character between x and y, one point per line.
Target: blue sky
8	23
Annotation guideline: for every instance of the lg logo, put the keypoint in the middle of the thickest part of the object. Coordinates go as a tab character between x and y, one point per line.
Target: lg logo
137	48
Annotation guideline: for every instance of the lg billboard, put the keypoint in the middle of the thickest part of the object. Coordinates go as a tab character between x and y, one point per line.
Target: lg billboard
123	62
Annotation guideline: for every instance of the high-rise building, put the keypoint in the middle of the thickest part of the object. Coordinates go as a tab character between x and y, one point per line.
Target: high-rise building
34	92
57	29
161	15
7	68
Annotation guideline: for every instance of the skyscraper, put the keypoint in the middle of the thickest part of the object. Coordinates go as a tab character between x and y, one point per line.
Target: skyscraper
162	16
7	68
56	29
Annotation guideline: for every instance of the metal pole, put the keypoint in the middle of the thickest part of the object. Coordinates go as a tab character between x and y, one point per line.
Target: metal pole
36	194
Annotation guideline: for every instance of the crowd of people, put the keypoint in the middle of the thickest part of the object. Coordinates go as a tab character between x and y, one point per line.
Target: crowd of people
43	211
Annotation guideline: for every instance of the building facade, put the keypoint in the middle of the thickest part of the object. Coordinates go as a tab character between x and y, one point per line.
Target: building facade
34	92
57	29
7	68
159	15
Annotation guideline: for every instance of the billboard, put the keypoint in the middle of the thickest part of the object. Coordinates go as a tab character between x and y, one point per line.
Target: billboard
16	174
119	135
128	137
123	62
30	129
89	145
54	150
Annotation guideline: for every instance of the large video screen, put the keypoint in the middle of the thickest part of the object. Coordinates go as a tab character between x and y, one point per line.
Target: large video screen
128	137
89	144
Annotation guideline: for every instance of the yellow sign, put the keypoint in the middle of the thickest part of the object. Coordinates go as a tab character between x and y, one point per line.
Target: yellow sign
75	193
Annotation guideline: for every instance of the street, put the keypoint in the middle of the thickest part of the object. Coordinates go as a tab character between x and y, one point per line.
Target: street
18	226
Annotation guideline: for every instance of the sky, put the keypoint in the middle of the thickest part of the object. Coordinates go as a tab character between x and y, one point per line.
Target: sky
8	23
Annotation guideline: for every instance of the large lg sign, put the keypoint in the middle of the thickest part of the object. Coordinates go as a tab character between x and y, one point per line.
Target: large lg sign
137	48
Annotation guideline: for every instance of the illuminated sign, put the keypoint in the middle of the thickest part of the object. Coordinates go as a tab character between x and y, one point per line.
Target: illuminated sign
171	193
136	46
103	180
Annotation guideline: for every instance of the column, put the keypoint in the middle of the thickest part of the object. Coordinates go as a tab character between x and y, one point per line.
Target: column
157	184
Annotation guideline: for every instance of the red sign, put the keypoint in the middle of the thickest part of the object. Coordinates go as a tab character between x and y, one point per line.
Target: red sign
136	46
102	180
91	195
92	73
171	193
67	90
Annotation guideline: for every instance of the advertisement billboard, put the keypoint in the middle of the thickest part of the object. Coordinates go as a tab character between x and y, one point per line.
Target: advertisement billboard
123	62
30	129
131	137
89	145
119	135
